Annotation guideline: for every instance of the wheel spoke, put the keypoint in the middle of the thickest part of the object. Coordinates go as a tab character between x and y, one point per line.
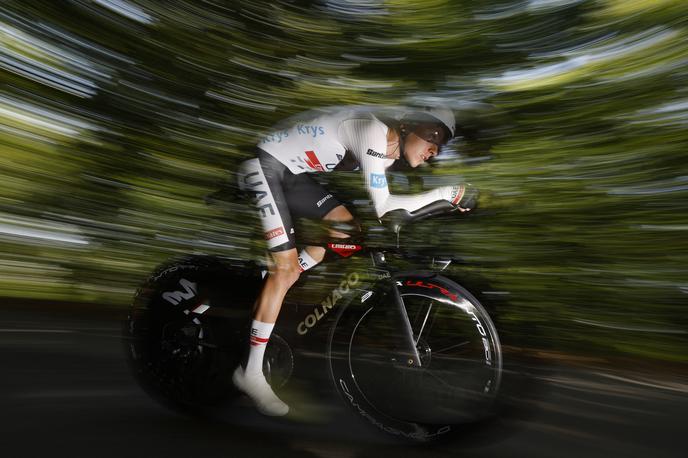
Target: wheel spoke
425	320
452	346
438	378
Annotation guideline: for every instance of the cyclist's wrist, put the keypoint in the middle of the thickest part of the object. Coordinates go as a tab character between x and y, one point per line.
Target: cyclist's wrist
452	194
463	196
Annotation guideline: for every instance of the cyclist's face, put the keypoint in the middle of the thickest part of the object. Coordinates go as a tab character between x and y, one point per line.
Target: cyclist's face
423	143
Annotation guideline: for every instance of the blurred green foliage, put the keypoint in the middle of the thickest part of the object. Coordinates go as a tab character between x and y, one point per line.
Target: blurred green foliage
118	117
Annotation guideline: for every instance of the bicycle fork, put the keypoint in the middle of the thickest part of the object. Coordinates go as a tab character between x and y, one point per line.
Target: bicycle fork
408	351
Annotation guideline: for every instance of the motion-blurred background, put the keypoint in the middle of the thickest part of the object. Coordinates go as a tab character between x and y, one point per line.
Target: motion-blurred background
117	117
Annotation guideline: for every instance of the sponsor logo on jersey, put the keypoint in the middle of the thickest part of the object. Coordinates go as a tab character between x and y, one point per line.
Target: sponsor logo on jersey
378	180
313	131
275	137
372	152
313	162
329	166
272	233
322	201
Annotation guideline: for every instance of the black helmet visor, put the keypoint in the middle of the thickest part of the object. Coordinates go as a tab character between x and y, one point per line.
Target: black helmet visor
432	133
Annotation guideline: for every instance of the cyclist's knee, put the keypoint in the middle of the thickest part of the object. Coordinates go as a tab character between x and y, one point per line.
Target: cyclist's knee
342	223
340	213
286	274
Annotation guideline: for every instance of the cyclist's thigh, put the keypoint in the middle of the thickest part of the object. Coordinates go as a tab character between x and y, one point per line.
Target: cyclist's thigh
263	177
307	198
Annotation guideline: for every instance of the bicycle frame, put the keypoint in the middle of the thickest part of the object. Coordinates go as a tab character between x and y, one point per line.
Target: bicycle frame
385	283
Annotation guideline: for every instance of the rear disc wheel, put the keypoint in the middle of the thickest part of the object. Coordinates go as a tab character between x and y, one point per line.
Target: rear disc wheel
182	358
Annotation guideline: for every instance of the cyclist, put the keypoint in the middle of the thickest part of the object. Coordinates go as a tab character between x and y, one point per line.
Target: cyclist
280	179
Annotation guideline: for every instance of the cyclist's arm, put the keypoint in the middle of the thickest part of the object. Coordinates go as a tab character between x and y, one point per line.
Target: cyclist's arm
367	139
384	201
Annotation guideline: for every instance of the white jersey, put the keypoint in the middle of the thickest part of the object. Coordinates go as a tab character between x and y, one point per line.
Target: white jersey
319	144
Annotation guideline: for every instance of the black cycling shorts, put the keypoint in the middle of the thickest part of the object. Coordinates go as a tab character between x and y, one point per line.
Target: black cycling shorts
281	195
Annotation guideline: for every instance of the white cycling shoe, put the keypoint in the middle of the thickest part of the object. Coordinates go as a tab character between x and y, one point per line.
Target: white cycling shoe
257	388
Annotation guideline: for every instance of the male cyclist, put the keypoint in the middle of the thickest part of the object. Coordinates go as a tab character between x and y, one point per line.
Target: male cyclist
280	178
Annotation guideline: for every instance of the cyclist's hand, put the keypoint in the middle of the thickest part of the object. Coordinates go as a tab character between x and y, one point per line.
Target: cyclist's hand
463	197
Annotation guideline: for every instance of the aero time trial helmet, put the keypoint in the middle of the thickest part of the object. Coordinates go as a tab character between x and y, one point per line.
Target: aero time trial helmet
432	115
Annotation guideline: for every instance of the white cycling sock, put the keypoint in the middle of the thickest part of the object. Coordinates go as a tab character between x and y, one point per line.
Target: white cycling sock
306	261
260	334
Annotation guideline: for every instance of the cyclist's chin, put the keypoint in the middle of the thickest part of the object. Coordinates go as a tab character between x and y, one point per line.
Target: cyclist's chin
415	162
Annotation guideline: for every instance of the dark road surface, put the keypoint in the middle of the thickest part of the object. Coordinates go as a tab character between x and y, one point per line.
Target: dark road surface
66	391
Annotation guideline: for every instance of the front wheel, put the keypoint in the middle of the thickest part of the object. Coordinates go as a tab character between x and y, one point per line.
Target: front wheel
458	348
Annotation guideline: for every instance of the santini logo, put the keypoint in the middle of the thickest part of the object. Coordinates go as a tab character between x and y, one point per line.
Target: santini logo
322	201
374	153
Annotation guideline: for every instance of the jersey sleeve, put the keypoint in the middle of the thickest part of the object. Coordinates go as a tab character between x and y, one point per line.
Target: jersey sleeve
367	140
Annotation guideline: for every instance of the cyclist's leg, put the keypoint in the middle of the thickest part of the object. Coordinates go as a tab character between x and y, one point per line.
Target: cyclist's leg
279	232
282	275
307	198
264	176
250	379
